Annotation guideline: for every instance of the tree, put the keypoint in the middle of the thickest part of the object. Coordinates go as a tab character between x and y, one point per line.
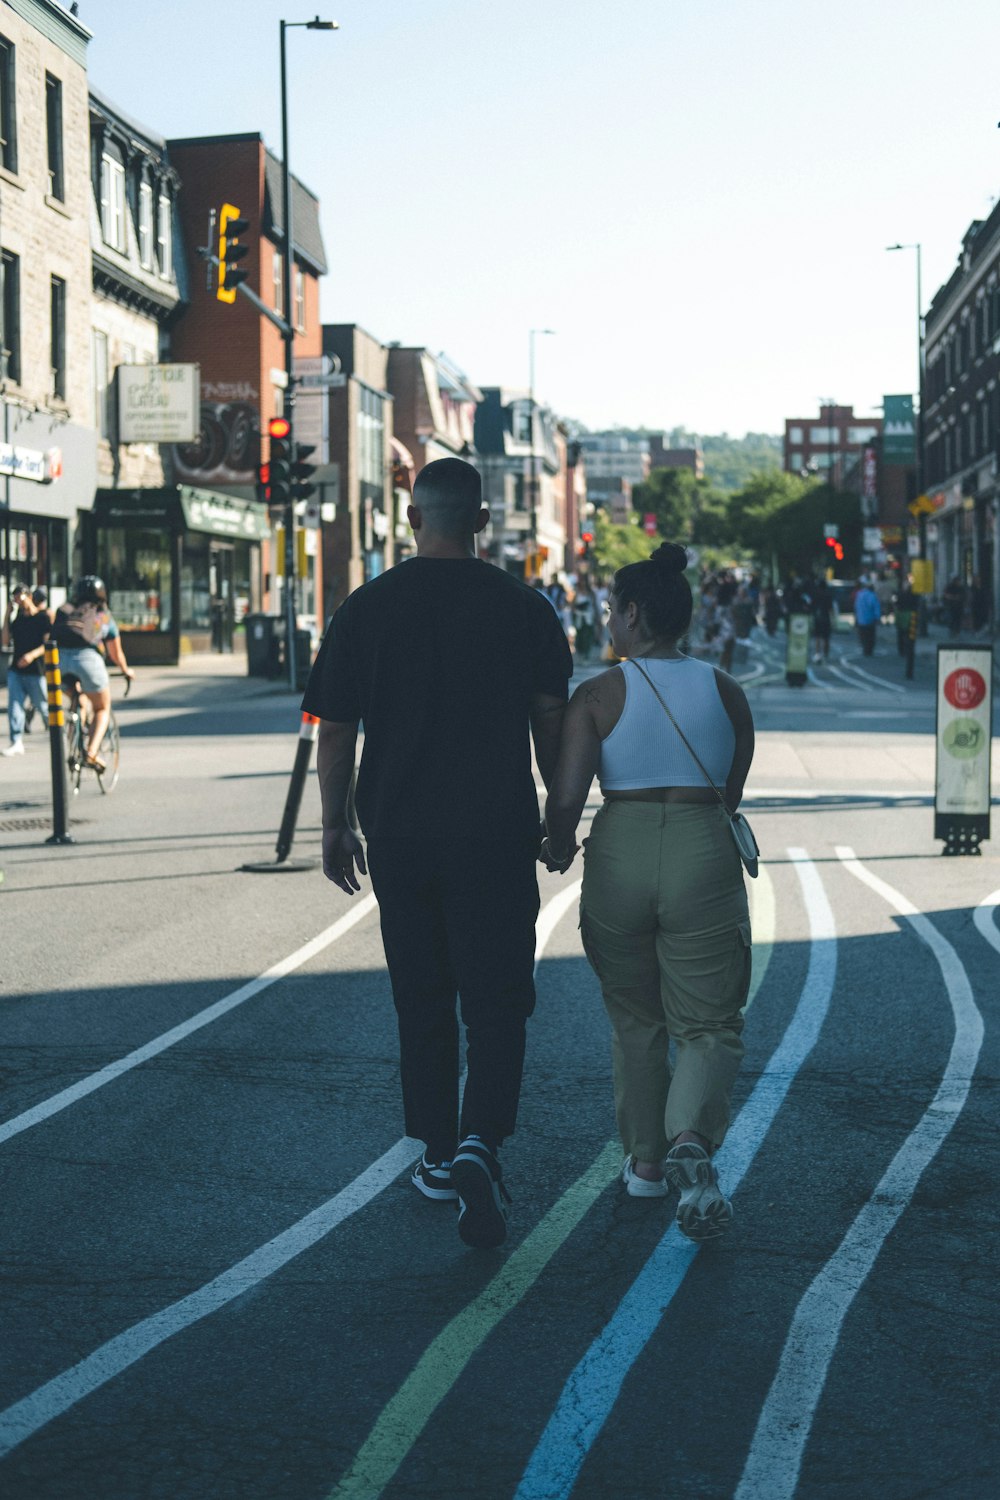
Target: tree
672	496
780	519
614	544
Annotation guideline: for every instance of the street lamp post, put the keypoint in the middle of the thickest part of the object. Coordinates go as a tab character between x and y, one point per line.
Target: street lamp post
532	332
288	334
920	394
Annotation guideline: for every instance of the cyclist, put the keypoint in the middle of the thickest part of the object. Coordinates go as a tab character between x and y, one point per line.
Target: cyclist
79	629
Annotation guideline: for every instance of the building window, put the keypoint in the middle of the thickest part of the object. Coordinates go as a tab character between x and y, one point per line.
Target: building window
54	134
522	422
795	436
10	310
278	273
300	301
164	240
146	225
57	325
102	388
861	434
957	435
972	434
113	202
8	111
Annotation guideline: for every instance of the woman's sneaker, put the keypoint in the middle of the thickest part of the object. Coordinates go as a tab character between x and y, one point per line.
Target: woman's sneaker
642	1187
703	1213
482	1196
433	1179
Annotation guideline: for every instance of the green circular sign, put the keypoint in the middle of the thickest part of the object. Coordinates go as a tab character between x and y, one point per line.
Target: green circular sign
964	739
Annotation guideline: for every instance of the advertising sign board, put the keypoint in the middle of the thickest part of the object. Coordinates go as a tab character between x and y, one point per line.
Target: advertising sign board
964	743
797	655
158	403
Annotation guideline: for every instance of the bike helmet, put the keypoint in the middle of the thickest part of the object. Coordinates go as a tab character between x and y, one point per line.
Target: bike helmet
90	590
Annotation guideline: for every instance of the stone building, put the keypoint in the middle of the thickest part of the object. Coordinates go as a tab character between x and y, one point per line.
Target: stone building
522	456
48	443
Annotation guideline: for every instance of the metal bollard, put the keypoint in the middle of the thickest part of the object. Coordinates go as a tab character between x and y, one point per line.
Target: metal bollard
308	733
57	747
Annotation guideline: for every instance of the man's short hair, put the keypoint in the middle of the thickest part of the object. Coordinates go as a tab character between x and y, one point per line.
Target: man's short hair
449	494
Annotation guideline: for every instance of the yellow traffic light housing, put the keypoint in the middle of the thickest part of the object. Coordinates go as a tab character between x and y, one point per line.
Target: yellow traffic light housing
231	226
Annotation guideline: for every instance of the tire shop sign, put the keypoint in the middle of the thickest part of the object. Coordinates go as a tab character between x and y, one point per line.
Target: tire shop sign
158	403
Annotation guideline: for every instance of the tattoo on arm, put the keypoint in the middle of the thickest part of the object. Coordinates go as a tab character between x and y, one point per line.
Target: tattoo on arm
591	694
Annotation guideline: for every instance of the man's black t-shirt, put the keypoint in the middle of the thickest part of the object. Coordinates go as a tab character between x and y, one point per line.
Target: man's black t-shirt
27	632
440	658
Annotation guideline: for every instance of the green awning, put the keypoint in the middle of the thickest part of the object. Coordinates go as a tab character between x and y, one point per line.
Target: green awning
223	515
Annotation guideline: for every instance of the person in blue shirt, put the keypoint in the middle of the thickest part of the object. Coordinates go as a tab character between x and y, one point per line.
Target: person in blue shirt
867	613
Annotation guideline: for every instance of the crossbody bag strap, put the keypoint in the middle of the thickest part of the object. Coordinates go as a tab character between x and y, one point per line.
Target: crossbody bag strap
693	752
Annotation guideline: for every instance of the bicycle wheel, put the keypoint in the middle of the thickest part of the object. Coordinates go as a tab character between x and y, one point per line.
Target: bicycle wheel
74	750
109	752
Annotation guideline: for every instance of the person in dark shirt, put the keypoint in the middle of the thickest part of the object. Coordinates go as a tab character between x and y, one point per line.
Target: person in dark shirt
26	625
453	667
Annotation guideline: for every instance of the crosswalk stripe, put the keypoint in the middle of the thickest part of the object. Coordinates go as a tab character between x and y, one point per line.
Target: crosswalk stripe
983	918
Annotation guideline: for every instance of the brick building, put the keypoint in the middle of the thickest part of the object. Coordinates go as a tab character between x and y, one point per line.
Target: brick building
830	444
239	350
47	443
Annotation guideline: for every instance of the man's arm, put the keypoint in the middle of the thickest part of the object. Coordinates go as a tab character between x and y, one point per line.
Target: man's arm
343	854
546	726
734	701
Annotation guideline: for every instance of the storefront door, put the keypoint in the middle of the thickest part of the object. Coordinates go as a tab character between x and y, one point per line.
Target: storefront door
220	589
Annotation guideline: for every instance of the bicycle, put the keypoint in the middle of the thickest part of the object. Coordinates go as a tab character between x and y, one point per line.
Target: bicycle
78	716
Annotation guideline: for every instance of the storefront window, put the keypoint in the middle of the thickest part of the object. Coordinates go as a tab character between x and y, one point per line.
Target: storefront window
246	560
137	568
196	613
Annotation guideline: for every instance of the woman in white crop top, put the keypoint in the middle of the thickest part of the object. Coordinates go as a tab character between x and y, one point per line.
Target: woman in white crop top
663	914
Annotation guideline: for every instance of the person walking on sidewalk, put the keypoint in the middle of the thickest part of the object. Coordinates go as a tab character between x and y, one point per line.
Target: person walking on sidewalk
867	613
663	915
25	627
454	666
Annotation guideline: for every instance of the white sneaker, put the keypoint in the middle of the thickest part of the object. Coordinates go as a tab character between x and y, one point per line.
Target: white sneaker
16	747
703	1213
642	1187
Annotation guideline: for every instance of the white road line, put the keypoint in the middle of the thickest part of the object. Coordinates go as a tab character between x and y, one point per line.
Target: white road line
592	1389
983	918
772	1468
65	1390
84	1086
852	666
859	687
763	920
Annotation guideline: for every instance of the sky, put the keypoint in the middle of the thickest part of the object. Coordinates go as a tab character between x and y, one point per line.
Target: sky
695	195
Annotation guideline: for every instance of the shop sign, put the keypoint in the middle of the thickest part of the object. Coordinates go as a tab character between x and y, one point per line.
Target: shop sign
30	463
964	730
869	485
871	539
899	431
158	403
892	536
223	515
797	655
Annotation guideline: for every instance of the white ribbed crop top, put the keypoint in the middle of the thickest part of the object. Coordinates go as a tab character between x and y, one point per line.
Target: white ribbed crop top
644	749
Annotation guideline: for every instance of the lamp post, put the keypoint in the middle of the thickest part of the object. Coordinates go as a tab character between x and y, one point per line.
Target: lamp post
532	333
920	394
288	334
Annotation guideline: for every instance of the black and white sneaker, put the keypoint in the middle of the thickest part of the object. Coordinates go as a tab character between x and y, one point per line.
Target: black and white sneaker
482	1196
433	1179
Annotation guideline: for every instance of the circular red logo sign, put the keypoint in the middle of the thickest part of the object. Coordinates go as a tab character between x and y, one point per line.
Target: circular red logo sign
965	688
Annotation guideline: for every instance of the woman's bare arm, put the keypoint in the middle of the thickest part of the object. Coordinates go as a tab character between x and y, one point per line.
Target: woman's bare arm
734	701
579	758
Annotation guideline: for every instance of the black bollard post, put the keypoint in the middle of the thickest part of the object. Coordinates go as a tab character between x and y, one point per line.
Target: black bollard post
308	732
57	747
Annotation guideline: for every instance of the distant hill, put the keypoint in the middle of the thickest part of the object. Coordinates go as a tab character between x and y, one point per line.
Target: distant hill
730	462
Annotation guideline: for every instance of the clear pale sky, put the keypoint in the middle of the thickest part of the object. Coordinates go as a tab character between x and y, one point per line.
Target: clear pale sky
695	194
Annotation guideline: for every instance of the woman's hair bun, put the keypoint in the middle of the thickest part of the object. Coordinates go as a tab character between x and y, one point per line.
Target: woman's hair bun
671	557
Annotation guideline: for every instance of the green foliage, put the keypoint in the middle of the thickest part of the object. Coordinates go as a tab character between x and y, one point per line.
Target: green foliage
615	544
730	463
673	497
780	517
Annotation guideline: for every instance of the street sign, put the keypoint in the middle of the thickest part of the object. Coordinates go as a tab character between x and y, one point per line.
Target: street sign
831	532
923	505
964	732
797	654
649	524
329	382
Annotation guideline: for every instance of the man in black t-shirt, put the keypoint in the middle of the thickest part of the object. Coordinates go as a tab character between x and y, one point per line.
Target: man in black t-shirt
27	626
452	666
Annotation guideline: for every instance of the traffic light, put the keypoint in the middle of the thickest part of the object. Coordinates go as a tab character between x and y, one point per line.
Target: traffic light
279	468
302	472
264	483
231	226
837	549
586	542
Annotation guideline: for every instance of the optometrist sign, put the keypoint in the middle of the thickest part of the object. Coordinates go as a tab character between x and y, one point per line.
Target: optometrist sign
159	403
964	744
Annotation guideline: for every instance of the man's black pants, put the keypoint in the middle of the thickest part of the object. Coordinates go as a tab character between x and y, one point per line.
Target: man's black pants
458	920
867	634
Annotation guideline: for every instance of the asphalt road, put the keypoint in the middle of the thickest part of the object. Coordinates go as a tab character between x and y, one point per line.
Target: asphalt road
218	1282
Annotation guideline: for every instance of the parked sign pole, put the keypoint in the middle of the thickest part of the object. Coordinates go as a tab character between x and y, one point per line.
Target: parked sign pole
57	747
797	652
963	747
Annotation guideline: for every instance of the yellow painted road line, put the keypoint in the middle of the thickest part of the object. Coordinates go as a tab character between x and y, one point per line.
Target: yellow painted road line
404	1418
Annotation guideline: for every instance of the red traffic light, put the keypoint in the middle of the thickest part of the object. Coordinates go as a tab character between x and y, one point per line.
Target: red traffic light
279	427
586	536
